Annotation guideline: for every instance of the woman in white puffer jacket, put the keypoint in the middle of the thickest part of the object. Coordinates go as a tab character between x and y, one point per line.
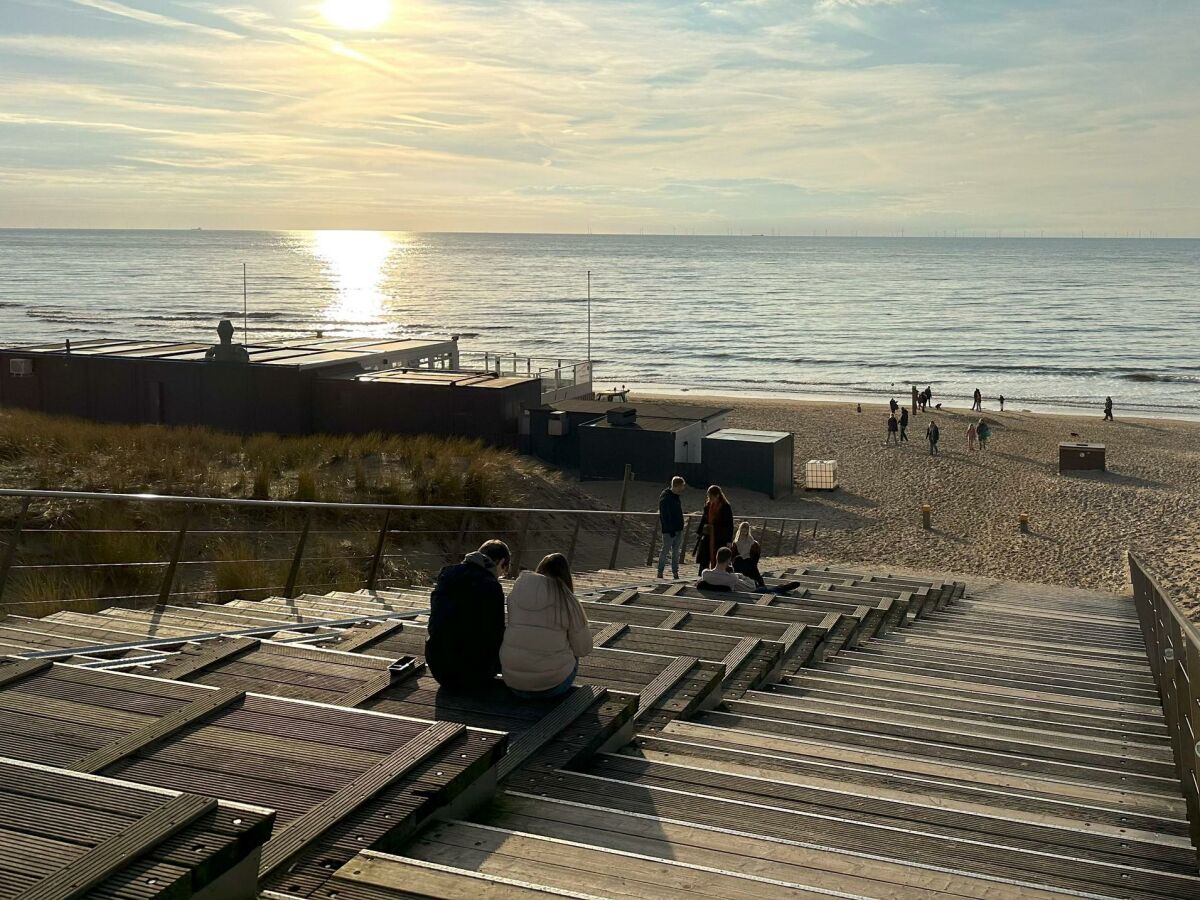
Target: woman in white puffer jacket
547	632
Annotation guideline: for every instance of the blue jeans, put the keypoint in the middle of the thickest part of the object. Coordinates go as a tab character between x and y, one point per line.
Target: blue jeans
672	543
557	691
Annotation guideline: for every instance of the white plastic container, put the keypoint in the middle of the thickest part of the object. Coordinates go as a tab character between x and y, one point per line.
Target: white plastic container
821	475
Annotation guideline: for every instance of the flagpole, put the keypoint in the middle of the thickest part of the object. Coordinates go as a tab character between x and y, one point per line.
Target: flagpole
245	310
589	306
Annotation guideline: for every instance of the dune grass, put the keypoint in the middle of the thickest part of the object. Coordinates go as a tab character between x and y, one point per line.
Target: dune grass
110	545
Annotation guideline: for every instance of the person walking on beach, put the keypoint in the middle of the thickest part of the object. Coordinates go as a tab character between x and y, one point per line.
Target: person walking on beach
915	397
977	405
716	527
893	428
932	434
670	515
971	436
1108	409
904	426
984	431
1001	403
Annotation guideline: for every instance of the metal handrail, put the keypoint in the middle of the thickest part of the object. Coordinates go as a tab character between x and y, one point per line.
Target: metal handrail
1173	648
782	530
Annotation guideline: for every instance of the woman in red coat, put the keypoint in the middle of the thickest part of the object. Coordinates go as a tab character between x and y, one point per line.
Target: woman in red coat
716	527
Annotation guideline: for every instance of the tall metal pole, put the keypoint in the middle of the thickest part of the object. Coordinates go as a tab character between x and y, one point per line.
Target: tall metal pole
245	310
589	304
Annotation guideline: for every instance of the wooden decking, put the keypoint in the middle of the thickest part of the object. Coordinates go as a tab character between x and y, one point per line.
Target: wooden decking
866	735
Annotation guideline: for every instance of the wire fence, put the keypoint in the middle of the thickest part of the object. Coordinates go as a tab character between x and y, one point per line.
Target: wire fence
86	550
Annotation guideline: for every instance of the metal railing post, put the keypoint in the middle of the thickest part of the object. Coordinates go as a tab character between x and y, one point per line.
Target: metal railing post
168	582
574	541
612	561
289	589
373	575
14	539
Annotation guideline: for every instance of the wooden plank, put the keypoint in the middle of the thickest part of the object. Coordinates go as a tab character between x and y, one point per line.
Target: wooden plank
321	818
738	654
399	671
212	652
399	875
608	633
356	638
675	589
188	714
724	608
675	619
623	597
15	670
567	711
665	680
790	636
78	878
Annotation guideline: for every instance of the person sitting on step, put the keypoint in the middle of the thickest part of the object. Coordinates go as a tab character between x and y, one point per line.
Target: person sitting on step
547	632
746	554
466	619
722	578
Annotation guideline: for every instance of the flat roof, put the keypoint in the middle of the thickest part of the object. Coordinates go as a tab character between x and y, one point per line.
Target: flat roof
647	408
303	354
438	377
745	435
644	423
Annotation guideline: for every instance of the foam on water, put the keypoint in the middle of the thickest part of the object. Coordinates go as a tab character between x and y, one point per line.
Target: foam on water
1049	323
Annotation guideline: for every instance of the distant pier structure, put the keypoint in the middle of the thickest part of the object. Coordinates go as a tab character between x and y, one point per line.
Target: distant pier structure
339	385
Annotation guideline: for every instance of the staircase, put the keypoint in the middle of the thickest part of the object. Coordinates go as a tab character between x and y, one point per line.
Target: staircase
865	735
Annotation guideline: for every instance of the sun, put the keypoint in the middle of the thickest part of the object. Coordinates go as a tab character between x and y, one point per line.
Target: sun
357	14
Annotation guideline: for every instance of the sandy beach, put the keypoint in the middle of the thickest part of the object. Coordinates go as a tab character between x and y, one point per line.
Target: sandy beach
1080	525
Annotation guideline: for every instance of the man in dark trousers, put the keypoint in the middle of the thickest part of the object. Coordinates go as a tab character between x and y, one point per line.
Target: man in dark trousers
1108	409
932	433
904	425
466	619
670	514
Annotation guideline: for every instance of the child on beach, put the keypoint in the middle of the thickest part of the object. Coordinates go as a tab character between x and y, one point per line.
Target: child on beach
984	431
893	427
932	434
971	435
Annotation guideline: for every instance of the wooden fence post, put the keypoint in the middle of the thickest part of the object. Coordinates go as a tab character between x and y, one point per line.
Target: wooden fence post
289	589
373	575
14	539
520	551
464	529
654	541
779	542
168	582
574	541
796	540
612	560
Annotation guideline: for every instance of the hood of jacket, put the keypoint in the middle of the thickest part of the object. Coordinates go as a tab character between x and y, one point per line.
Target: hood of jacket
482	560
537	592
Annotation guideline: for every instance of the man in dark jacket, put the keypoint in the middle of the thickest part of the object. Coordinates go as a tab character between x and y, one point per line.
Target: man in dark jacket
466	619
670	514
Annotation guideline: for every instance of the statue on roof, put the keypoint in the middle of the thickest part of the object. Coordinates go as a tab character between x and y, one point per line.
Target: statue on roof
226	351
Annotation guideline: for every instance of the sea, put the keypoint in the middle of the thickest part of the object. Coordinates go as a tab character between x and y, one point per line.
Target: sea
1053	324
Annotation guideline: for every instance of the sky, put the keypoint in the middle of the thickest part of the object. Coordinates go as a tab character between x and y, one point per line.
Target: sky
847	116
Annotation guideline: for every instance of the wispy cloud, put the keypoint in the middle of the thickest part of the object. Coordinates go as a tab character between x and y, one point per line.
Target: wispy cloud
464	114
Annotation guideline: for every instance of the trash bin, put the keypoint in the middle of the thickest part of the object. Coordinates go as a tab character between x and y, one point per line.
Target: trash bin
1080	457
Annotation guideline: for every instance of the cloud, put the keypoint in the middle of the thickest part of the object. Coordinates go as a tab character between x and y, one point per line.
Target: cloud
470	115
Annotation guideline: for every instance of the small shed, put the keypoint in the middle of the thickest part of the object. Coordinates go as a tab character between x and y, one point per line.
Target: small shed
757	460
655	447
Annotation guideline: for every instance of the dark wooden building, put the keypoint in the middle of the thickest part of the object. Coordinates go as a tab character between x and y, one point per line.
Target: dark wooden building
287	388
